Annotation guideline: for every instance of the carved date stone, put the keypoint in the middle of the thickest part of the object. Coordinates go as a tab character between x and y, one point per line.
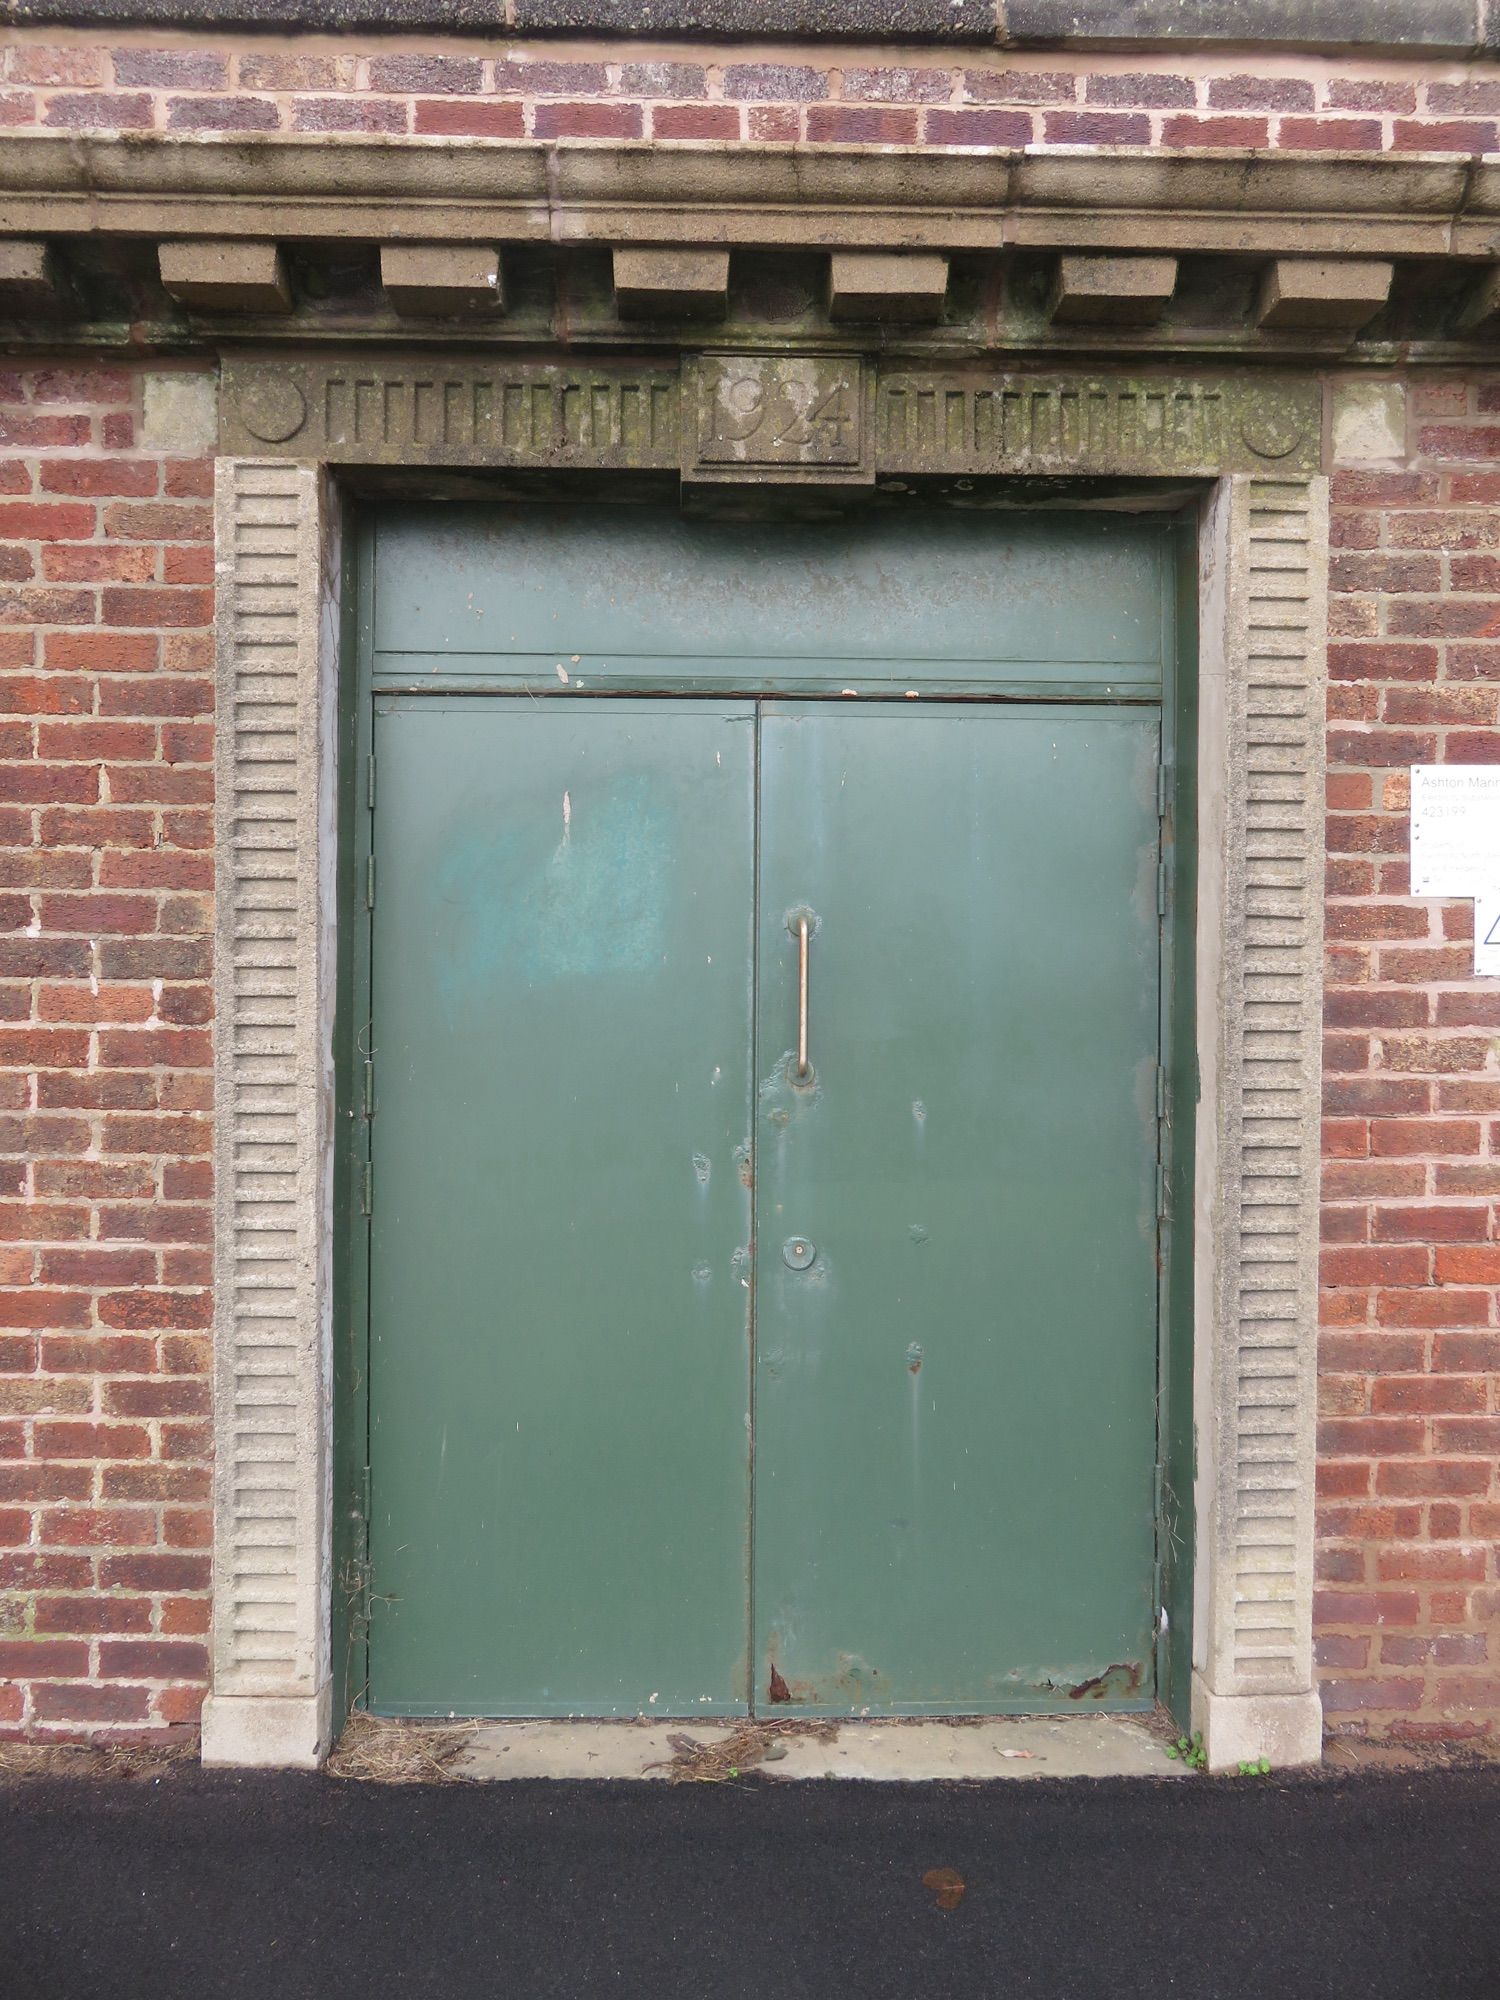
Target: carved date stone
797	417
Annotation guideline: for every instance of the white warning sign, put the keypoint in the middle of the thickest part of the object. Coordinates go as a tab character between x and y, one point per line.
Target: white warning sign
1455	846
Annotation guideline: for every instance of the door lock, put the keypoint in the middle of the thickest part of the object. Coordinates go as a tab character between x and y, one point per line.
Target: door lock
798	1252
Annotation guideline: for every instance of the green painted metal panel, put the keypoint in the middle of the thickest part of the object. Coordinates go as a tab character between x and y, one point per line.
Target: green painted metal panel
956	1218
559	1345
955	1396
603	597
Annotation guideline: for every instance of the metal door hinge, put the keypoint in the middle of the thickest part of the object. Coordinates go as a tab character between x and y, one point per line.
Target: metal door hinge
370	1087
370	781
1163	1099
366	1189
370	883
1161	888
1163	789
1163	1212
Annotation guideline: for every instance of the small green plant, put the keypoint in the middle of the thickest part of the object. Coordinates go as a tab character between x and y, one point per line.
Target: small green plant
1189	1750
1256	1767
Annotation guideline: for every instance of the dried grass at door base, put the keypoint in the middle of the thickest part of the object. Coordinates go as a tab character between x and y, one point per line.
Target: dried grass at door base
713	1760
381	1750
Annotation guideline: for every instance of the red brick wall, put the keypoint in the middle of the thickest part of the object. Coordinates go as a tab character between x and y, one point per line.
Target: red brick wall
490	89
1409	1597
105	922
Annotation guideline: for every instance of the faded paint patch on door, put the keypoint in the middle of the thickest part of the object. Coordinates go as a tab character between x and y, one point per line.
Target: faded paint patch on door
600	904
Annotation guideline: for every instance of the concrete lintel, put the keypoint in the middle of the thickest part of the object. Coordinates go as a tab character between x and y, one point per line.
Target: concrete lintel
1433	27
1112	291
441	280
227	276
1451	27
671	284
376	188
1201	423
1331	294
30	280
1285	1729
906	285
1369	421
268	1732
180	410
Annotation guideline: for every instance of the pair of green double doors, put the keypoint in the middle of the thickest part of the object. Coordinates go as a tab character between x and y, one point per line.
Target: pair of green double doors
700	1381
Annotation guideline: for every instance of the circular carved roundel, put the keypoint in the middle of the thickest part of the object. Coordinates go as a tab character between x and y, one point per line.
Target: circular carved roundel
272	408
1272	435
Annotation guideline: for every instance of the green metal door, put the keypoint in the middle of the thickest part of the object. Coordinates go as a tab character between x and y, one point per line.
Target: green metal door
559	1343
955	1208
696	1384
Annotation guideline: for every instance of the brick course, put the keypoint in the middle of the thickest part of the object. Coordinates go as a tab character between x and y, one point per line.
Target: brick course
895	96
106	874
1410	1349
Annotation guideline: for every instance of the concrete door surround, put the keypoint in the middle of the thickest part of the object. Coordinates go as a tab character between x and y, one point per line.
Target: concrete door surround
1251	447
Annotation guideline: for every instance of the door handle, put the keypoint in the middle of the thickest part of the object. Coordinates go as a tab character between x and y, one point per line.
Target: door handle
803	1071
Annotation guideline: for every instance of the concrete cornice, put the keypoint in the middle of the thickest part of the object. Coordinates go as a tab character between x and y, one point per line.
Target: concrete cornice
367	188
1405	27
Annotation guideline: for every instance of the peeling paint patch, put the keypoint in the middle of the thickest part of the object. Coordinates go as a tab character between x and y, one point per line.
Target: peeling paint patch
1120	1682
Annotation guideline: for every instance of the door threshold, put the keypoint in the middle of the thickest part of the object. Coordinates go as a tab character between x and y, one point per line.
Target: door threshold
919	1751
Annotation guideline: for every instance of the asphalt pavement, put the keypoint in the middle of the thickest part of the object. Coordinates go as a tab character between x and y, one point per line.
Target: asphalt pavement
1355	1887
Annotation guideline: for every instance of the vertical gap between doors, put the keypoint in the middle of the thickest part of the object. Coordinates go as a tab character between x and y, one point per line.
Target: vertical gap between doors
753	1262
